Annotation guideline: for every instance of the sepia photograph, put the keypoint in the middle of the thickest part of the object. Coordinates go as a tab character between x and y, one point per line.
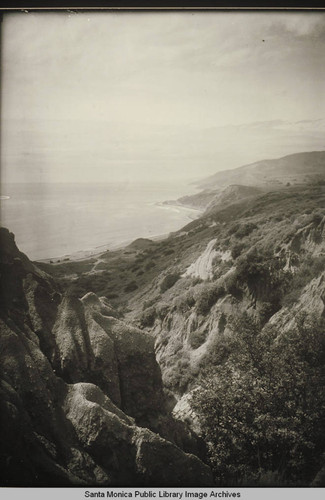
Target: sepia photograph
162	250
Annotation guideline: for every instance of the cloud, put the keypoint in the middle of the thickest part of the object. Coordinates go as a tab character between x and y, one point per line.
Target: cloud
144	72
304	24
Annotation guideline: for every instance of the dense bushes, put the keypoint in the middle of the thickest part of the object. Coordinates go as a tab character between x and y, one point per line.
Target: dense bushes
203	298
151	312
245	229
240	230
185	301
262	274
263	410
311	267
179	376
236	250
207	297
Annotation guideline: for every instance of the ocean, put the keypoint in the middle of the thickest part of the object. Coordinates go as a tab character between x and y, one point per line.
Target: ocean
57	220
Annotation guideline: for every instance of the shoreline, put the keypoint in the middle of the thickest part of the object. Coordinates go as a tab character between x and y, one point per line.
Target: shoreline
95	252
80	255
174	204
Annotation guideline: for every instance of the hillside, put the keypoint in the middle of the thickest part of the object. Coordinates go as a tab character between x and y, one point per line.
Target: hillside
206	346
229	186
255	266
263	257
209	199
296	169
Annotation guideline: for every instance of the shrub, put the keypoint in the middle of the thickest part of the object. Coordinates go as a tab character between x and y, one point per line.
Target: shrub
216	261
149	265
233	286
185	301
148	317
261	411
262	274
130	287
169	281
219	352
266	310
222	323
111	295
208	297
169	251
197	338
317	218
162	311
245	230
222	268
179	376
237	250
311	268
189	297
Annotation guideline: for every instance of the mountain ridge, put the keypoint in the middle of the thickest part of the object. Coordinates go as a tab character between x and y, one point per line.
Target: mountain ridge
228	186
315	160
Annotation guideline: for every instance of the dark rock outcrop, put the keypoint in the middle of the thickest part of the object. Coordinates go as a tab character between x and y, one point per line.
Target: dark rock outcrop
75	384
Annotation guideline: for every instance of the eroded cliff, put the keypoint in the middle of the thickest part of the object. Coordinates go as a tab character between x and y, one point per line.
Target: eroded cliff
76	385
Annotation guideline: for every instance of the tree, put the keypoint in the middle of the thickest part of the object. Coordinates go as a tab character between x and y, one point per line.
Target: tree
263	275
263	411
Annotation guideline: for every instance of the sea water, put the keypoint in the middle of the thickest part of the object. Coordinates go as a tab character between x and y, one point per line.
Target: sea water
54	220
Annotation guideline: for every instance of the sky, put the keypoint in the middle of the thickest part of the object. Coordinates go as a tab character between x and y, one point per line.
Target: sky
101	97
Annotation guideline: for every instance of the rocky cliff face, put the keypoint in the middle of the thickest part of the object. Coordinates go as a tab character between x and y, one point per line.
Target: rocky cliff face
76	385
261	258
264	257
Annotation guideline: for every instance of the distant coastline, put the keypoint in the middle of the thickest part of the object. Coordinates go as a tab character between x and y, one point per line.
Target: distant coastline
95	252
175	204
79	255
56	223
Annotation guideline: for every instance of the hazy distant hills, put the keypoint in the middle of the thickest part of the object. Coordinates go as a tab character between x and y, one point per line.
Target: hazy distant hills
209	199
298	168
231	186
